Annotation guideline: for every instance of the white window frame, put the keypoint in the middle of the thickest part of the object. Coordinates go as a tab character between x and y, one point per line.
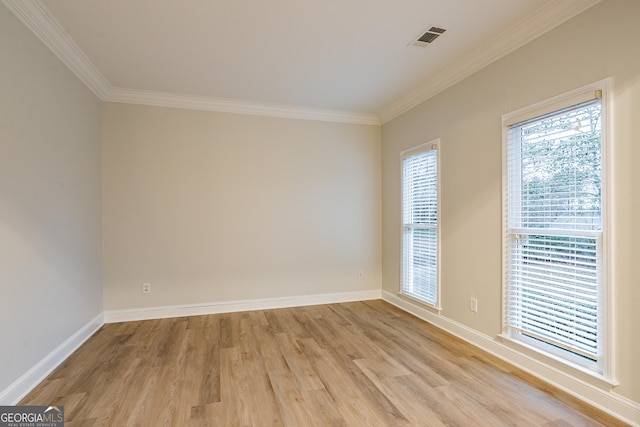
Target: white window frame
603	369
429	146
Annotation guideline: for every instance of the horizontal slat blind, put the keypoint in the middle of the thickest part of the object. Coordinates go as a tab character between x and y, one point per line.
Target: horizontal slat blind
555	295
554	230
420	222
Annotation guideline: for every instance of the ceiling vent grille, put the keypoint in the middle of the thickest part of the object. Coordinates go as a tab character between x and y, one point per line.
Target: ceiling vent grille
428	37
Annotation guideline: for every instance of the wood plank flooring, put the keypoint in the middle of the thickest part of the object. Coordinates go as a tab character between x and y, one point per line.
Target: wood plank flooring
354	364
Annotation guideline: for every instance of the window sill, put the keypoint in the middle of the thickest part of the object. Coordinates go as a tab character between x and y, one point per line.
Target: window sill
579	372
420	303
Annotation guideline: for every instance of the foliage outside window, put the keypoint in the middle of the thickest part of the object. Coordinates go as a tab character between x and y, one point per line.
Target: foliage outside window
554	268
420	223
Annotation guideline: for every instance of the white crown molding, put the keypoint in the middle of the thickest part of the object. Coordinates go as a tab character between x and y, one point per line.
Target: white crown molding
601	398
522	32
40	21
34	376
162	99
46	27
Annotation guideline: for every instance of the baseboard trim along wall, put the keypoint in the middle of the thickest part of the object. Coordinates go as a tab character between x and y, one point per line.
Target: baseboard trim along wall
27	382
34	376
115	316
607	401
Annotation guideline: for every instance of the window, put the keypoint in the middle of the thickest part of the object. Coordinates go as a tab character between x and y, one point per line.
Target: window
420	233
554	230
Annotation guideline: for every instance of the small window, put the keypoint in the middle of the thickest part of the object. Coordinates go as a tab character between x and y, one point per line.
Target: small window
420	218
554	228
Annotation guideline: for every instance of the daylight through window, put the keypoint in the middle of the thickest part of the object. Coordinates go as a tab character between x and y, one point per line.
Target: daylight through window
420	223
554	230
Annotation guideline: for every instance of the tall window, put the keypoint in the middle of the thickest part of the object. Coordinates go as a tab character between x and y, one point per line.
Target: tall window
553	236
420	223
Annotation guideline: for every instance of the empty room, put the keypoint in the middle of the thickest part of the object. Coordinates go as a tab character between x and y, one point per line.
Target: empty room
320	213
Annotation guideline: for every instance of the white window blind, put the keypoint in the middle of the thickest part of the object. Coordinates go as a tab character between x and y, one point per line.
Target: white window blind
420	224
554	230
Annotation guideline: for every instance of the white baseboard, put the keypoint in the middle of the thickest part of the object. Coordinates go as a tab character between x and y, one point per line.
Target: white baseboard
607	401
114	316
34	376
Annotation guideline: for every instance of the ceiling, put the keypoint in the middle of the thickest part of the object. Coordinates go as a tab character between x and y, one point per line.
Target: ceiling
341	60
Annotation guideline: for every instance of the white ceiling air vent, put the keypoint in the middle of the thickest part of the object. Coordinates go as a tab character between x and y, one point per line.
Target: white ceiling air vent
428	37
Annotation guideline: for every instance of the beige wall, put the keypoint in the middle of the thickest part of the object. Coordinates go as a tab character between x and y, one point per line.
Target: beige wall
50	202
599	43
211	207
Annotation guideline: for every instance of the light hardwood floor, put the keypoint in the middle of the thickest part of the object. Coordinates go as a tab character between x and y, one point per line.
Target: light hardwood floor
353	364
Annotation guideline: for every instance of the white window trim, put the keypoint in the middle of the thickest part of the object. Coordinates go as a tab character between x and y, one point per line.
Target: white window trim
431	145
606	378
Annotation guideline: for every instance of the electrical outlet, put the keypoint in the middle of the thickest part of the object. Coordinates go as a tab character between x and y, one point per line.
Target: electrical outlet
146	288
361	275
473	304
